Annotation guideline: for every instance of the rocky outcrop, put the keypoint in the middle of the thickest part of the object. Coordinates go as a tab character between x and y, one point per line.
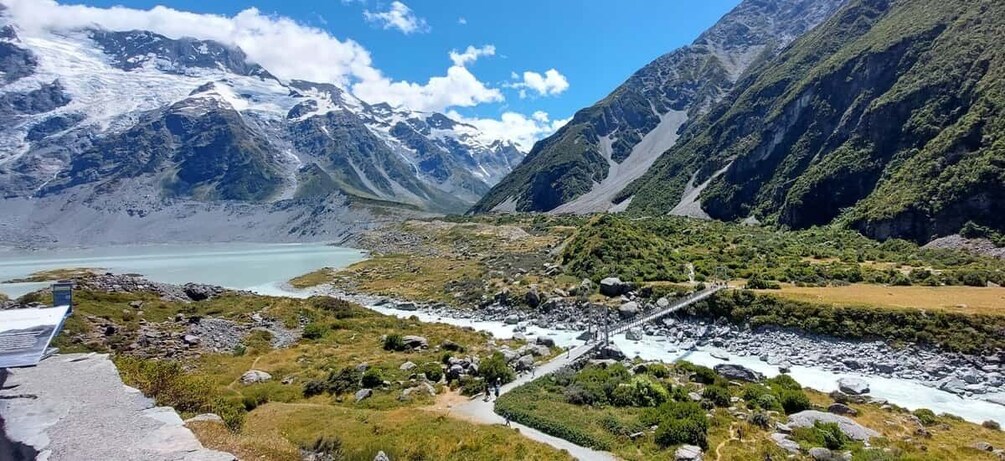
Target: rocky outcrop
81	410
847	425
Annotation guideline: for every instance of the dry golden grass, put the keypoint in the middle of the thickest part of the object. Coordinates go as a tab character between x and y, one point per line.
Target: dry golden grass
962	299
275	430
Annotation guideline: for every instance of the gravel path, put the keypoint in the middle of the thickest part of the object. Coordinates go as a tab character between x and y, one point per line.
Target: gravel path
479	410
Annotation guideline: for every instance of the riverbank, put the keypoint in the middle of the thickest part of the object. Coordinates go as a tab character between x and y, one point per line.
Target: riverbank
910	376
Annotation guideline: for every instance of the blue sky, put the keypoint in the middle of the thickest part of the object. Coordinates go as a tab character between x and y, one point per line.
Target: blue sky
395	48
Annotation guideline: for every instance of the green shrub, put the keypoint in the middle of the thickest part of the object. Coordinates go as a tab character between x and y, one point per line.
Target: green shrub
495	369
758	281
718	395
394	342
657	370
761	420
314	387
681	422
167	383
432	370
783	382
314	330
344	381
641	391
686	431
827	435
470	386
372	378
324	447
700	374
926	416
230	411
793	401
508	405
338	308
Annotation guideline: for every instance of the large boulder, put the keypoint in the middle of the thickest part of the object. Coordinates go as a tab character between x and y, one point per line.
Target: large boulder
633	335
508	354
407	366
363	394
847	425
544	341
784	442
853	386
687	453
610	351
415	342
841	409
628	310
254	377
381	456
532	298
613	286
524	363
738	372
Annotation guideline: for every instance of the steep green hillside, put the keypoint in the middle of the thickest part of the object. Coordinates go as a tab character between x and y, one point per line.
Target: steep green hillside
685	82
887	118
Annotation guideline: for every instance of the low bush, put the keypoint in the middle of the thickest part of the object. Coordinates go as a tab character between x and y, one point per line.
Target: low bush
314	387
678	422
508	408
793	401
344	381
432	370
394	342
314	330
494	369
926	416
827	435
372	378
718	395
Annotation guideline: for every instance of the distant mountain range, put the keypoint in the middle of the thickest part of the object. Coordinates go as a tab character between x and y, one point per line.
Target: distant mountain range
97	113
887	117
883	116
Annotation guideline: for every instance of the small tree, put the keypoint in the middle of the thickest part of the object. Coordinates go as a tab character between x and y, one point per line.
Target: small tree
495	368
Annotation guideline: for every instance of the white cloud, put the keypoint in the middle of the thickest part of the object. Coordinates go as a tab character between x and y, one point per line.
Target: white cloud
459	88
462	21
550	84
522	130
400	17
307	53
471	54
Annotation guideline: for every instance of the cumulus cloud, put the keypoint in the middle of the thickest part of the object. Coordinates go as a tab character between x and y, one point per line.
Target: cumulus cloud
471	54
306	53
522	130
459	88
400	17
462	20
550	84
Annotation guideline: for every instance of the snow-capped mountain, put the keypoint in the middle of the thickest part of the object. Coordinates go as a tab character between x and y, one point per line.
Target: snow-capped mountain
97	113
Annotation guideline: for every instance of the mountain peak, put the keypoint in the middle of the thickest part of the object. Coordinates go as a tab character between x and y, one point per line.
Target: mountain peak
134	49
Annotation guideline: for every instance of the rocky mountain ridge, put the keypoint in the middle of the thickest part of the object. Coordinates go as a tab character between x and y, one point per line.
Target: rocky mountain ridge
127	115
